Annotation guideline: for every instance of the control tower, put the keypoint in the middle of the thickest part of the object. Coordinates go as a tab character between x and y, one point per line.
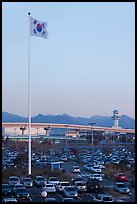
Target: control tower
115	117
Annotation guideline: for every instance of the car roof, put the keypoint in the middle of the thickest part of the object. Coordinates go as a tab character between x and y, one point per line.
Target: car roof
69	187
105	194
39	176
120	183
50	199
5	184
13	177
49	184
26	178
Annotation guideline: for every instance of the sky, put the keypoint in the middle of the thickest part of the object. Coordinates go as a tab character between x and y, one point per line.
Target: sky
86	66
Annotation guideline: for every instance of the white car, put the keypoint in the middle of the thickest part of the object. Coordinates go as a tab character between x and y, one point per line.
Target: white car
88	167
96	176
39	181
101	164
80	186
49	188
78	180
103	197
62	185
53	180
64	158
70	191
96	169
75	169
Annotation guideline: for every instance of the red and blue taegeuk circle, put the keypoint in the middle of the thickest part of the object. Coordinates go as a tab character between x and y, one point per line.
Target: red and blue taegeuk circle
39	27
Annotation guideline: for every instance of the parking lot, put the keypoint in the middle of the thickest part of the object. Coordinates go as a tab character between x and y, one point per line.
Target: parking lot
79	159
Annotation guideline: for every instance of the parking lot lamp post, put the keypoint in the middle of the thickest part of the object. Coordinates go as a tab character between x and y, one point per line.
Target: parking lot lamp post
92	134
66	136
15	133
37	132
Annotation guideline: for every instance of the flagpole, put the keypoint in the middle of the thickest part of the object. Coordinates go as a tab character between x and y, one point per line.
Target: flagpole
29	98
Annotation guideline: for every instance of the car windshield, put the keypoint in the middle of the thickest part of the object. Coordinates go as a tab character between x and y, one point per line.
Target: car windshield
40	179
80	184
53	179
22	190
107	198
122	185
79	179
14	179
121	174
19	186
70	189
4	186
96	167
64	184
27	179
49	185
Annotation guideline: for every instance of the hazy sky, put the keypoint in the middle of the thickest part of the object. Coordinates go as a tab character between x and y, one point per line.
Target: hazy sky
86	66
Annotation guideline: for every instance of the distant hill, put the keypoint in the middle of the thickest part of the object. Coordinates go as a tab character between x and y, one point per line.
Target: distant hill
104	121
8	117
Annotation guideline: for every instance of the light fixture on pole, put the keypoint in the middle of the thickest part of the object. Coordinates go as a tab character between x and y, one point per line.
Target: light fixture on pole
92	134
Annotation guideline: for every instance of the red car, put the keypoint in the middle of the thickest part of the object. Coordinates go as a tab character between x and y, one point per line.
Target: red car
121	177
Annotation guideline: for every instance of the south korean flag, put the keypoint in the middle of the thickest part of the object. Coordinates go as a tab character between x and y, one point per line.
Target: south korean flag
38	28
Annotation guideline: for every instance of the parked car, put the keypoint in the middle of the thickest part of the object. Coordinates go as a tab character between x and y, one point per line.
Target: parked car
96	169
10	199
64	158
93	185
50	200
27	182
62	185
53	180
70	191
22	193
121	177
12	180
103	197
80	187
96	176
39	181
49	188
78	180
88	167
75	169
121	188
17	186
6	189
68	200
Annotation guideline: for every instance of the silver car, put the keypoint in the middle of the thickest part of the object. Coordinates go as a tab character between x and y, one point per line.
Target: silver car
12	180
96	176
70	191
27	182
121	187
103	197
80	187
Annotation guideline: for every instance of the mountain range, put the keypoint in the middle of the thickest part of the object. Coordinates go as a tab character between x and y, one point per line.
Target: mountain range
103	121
